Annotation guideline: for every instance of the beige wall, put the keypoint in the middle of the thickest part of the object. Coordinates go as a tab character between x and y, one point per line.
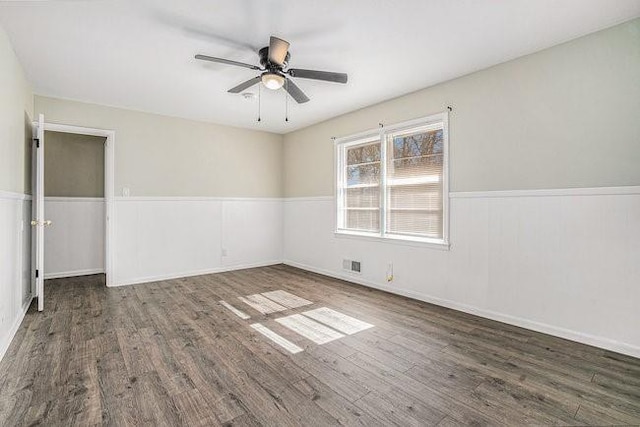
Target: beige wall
568	116
16	110
73	165
166	156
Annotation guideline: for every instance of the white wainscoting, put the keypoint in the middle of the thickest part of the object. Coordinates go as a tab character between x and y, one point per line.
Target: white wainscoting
74	242
562	262
158	238
15	267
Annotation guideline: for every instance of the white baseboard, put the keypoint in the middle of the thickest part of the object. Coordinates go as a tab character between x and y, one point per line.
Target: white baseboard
75	273
4	345
148	279
601	342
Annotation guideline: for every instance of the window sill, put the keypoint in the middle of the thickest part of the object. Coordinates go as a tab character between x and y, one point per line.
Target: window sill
406	241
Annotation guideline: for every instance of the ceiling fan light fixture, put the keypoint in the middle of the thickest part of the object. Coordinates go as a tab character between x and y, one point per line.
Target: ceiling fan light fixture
273	81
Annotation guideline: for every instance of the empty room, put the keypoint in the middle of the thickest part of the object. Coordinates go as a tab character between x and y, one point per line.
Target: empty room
319	213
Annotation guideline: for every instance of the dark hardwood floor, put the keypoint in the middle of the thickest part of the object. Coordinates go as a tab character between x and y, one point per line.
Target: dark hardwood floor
168	353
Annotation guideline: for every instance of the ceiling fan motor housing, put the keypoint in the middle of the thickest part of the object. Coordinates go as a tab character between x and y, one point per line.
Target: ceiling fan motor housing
264	60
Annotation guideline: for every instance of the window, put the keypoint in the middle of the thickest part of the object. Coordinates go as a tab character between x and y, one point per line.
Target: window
392	183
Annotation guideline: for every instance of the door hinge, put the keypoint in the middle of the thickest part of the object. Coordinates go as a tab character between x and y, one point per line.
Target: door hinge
37	140
37	273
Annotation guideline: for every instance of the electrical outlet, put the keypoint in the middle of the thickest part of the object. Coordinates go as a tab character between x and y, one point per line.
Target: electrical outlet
126	192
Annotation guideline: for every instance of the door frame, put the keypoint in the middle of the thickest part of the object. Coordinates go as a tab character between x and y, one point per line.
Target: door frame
109	187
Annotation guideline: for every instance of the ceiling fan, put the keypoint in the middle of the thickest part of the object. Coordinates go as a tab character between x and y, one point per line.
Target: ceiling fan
274	60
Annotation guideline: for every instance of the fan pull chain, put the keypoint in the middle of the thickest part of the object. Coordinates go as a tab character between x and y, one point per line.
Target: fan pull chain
259	101
286	102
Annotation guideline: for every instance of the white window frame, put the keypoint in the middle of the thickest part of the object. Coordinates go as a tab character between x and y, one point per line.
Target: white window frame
341	144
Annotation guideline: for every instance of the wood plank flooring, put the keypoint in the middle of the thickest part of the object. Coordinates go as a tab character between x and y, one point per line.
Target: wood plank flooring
168	353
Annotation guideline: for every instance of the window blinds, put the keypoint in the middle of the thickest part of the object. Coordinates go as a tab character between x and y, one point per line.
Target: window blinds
362	187
414	182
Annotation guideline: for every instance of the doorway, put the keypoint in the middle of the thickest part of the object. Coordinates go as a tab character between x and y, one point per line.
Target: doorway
74	202
80	201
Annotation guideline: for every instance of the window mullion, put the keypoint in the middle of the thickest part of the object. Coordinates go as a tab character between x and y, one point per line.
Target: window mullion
383	183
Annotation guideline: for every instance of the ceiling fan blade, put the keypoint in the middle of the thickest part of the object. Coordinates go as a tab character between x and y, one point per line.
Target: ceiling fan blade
245	85
278	50
318	75
226	61
295	92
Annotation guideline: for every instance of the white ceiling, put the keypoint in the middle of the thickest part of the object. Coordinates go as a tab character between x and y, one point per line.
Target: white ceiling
139	54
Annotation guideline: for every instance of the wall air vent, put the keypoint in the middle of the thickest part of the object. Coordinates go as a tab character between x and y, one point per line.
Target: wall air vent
351	266
355	266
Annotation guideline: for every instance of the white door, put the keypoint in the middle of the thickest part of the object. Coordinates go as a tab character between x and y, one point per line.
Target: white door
37	211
